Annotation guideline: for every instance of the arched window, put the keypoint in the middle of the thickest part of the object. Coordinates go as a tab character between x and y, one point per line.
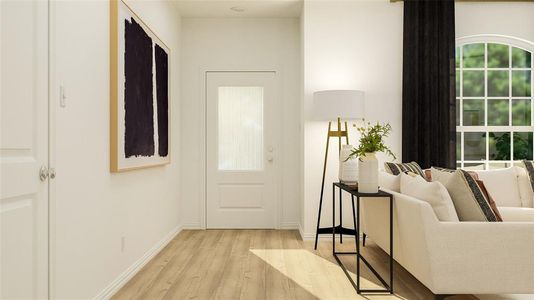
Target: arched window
494	102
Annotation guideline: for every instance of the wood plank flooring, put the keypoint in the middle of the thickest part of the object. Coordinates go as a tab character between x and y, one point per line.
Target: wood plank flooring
261	264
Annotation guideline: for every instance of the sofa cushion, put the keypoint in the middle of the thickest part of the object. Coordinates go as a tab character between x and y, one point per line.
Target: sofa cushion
442	174
397	168
468	199
432	192
389	181
517	214
503	186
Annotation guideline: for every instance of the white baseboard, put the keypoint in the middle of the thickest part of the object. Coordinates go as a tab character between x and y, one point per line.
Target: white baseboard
310	236
195	225
283	225
289	225
301	231
123	278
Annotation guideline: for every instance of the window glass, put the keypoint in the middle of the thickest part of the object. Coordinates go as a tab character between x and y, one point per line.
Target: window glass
473	56
493	105
498	56
498	112
473	112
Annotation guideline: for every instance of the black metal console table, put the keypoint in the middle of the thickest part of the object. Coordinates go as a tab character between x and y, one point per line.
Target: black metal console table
356	218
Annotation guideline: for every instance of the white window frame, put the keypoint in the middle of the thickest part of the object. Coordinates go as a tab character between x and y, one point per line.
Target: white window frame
488	39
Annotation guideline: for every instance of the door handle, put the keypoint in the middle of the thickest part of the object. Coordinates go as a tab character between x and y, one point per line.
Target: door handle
43	173
270	158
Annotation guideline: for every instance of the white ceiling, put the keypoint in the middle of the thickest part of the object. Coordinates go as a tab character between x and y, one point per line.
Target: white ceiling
251	8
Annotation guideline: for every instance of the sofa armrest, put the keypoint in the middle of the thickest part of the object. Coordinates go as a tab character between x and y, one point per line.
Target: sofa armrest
464	257
481	257
517	214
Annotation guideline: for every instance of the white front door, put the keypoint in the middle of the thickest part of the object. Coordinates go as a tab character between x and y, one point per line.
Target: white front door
23	149
242	140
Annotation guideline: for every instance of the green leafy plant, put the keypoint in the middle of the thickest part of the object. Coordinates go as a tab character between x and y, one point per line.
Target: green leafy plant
372	140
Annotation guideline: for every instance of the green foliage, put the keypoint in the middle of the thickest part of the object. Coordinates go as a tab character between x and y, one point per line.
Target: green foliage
498	56
521	84
500	145
474	56
521	112
498	112
520	58
372	140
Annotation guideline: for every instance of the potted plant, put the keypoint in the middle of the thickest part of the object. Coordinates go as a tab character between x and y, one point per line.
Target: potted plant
371	141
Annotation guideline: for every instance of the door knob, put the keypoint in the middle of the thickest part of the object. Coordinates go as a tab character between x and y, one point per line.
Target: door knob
43	173
52	173
270	158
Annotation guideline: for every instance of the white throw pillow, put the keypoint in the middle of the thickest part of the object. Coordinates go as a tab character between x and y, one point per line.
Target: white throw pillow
440	175
503	186
389	181
432	192
525	187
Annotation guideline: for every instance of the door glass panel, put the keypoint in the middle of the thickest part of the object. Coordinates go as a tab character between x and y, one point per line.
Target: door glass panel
240	132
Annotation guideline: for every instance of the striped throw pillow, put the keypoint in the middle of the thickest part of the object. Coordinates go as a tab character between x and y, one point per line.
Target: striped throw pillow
529	166
469	200
397	168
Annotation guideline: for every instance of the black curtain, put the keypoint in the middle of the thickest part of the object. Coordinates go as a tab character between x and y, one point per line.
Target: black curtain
428	84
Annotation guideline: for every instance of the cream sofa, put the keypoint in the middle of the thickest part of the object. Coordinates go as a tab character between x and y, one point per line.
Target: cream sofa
462	257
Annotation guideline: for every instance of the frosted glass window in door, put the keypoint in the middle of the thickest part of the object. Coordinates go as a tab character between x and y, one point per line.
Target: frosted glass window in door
240	132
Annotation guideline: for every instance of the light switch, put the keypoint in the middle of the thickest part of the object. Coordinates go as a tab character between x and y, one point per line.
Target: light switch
62	97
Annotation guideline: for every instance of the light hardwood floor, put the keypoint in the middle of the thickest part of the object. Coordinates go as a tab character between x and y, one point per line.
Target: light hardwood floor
261	264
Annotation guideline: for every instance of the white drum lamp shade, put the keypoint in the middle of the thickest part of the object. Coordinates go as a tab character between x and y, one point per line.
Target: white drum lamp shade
332	104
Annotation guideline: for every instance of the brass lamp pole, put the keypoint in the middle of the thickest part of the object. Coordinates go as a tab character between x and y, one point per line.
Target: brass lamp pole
331	133
347	104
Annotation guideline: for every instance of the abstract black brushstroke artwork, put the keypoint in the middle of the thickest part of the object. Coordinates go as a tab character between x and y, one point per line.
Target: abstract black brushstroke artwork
139	93
138	103
162	92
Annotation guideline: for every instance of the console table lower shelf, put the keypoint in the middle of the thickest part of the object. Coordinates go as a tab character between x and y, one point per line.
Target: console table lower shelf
388	288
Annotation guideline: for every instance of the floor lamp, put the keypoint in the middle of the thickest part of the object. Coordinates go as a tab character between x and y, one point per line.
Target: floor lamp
336	105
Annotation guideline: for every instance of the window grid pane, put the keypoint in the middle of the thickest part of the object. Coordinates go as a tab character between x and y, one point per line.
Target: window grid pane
495	89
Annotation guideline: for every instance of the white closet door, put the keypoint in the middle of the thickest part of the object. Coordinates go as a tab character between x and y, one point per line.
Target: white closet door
23	150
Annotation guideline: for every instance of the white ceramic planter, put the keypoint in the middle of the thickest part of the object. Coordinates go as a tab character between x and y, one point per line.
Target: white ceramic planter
348	169
368	173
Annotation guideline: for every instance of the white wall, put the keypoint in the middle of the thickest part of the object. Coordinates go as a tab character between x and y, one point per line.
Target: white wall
358	45
238	44
511	19
348	45
93	209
